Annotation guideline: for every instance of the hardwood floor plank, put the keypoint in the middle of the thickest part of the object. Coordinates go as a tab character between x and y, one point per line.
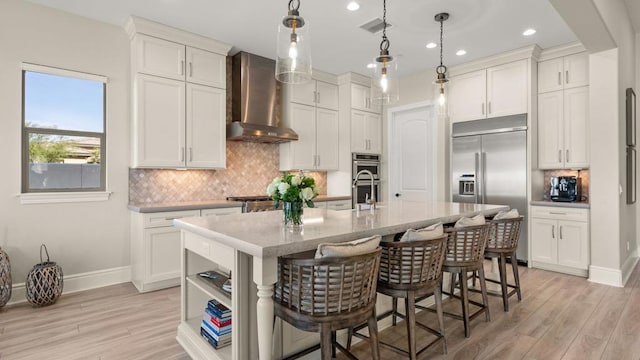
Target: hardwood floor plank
624	343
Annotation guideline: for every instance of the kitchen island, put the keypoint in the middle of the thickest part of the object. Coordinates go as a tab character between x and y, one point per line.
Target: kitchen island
249	246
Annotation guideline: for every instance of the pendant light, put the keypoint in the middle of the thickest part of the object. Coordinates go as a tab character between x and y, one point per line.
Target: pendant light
384	79
293	61
441	70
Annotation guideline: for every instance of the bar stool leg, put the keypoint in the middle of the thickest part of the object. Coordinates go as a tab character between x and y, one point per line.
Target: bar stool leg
503	282
333	344
485	298
516	276
373	335
325	343
437	294
349	337
394	304
464	297
452	283
410	308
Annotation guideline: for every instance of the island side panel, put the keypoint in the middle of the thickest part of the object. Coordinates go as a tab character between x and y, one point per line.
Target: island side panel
265	275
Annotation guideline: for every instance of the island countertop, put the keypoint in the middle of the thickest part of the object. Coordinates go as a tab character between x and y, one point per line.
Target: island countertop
262	234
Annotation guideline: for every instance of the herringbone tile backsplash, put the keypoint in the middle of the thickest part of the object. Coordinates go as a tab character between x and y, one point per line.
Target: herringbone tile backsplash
250	168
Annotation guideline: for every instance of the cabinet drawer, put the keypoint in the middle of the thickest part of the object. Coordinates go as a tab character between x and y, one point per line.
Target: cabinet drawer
166	218
210	250
560	213
221	211
339	205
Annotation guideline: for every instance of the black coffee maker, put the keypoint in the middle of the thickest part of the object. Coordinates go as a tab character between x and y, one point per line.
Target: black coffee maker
565	188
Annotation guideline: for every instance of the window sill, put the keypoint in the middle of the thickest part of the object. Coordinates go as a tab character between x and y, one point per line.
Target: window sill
63	197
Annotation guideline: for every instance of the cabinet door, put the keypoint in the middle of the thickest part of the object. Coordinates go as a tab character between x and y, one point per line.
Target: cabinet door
303	93
359	140
507	89
163	251
467	96
544	245
550	130
160	57
360	97
576	127
206	132
221	211
327	95
550	77
576	70
303	121
206	68
573	244
160	112
326	139
374	130
339	205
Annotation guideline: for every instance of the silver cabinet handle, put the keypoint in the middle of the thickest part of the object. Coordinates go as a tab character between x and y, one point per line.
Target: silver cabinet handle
557	213
559	156
318	100
567	77
560	232
190	69
489	107
483	169
559	77
567	155
477	177
482	108
315	97
190	154
182	154
553	231
318	156
181	67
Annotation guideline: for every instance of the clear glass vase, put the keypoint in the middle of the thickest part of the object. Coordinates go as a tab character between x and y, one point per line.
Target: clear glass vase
292	212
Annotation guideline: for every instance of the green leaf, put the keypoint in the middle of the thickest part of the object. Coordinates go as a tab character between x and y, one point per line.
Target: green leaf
310	204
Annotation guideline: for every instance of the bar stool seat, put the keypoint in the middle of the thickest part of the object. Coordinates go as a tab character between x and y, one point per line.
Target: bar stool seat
465	253
328	294
411	270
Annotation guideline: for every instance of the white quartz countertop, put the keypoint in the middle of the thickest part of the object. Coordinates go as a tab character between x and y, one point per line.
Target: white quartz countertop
182	205
262	234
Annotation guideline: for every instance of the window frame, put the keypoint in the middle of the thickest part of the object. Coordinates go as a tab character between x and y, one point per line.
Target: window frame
26	131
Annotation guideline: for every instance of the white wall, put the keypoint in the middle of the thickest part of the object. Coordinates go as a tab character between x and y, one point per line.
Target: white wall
81	237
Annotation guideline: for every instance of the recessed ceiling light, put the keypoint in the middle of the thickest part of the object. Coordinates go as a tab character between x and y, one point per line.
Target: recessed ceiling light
529	32
431	45
371	66
461	52
353	6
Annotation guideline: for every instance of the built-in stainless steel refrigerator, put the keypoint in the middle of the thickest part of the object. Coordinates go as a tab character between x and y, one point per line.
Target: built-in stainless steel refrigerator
489	165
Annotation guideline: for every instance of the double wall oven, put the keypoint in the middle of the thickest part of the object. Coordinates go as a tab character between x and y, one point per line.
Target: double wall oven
361	189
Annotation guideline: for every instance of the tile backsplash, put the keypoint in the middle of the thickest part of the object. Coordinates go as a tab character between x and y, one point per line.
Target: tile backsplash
250	168
584	180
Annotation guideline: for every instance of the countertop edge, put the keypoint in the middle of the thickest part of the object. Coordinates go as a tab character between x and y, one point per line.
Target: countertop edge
196	205
578	205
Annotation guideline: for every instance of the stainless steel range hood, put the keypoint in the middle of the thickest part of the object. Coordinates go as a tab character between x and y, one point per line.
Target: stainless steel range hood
254	102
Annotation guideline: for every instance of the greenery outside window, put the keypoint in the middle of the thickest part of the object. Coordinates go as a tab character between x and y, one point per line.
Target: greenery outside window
63	130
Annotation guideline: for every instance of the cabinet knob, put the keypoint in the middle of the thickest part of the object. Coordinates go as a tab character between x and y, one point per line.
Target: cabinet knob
398	194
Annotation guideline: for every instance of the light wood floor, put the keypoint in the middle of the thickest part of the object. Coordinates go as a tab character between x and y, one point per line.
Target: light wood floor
560	317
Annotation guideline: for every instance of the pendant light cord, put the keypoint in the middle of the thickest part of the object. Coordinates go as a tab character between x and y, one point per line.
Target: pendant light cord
441	27
384	45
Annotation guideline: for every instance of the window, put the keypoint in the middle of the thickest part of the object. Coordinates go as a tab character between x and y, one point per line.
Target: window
63	130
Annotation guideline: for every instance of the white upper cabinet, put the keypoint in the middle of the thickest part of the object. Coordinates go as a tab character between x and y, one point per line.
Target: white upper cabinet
550	130
179	98
326	139
563	73
361	99
576	127
315	93
300	155
366	134
159	57
497	91
206	68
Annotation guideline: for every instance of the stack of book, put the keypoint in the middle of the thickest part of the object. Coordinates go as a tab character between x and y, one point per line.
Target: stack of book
216	324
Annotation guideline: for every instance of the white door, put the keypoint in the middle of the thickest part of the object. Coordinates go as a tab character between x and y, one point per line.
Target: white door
327	128
206	127
550	75
326	95
374	133
358	131
303	93
576	127
576	70
160	57
360	97
550	129
573	244
412	154
303	122
507	89
163	251
544	244
467	96
206	68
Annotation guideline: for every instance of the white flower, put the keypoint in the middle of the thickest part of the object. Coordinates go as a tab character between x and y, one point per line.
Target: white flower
272	188
307	194
296	180
283	187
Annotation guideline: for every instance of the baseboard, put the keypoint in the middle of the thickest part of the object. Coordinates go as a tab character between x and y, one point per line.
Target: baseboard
606	276
80	282
628	266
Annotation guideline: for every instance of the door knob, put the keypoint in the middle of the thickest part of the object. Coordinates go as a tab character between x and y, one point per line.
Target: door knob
397	194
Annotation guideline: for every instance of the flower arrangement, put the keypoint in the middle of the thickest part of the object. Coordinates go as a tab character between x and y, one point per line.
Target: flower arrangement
292	188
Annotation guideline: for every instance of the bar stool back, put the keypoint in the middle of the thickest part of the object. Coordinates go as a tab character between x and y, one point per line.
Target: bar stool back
328	294
465	253
503	242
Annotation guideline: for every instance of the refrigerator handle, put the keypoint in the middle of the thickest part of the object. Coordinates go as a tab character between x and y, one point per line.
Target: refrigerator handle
483	170
477	178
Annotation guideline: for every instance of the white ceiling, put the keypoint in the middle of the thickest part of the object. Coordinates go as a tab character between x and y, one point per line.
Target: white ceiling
338	45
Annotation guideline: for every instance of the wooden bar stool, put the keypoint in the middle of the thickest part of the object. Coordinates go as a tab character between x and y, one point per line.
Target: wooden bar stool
503	243
328	294
411	270
465	253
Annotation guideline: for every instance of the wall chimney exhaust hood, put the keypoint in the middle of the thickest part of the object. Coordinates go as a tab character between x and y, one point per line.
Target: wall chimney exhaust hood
254	102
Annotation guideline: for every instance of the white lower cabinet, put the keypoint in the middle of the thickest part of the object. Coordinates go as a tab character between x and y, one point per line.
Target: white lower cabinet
155	247
560	239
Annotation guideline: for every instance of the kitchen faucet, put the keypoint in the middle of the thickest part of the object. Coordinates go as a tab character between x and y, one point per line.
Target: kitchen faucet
372	200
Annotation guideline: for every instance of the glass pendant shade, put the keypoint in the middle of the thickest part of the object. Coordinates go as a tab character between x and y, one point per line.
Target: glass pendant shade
293	59
441	96
385	88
